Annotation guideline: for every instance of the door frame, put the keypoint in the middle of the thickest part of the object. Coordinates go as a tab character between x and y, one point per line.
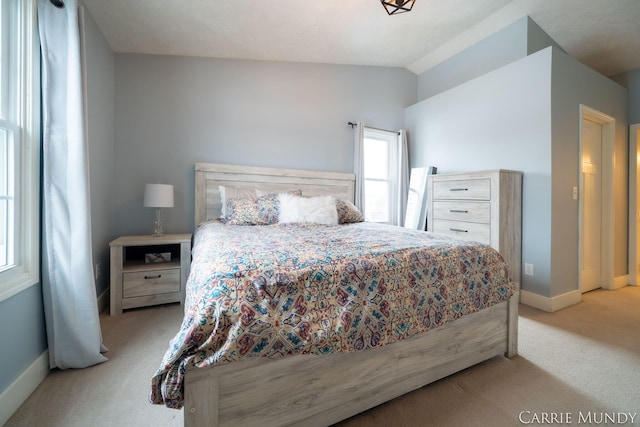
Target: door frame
634	198
607	248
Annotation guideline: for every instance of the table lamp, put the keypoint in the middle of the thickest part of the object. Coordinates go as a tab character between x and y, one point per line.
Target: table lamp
158	196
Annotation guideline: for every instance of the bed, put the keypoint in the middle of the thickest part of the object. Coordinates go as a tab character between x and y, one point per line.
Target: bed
322	366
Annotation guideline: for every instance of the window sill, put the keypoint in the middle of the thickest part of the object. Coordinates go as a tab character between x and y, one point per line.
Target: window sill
16	284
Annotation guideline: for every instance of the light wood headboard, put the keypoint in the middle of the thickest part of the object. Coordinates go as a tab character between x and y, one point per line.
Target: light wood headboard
312	183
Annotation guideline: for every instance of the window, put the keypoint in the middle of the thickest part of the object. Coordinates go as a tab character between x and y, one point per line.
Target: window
7	196
19	146
381	175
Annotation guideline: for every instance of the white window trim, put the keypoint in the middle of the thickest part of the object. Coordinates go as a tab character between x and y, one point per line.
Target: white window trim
27	272
393	159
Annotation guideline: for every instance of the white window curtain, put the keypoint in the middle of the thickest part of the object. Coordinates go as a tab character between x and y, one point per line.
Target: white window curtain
358	164
70	303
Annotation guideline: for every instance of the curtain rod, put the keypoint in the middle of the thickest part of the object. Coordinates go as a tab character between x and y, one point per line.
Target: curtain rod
352	124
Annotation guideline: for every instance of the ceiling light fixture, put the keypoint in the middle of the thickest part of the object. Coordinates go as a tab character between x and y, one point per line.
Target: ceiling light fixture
393	7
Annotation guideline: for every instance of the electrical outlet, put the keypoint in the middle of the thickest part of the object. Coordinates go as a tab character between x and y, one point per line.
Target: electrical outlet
97	270
528	269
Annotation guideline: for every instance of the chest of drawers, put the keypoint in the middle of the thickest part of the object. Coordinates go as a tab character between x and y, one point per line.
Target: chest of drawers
482	206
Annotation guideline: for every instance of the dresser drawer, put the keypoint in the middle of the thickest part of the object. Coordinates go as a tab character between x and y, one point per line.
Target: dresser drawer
150	282
467	230
462	189
463	211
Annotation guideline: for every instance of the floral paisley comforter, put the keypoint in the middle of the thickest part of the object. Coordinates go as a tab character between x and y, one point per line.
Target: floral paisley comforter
277	290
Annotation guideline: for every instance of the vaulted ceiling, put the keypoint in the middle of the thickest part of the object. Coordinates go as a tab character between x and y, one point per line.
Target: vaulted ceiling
603	34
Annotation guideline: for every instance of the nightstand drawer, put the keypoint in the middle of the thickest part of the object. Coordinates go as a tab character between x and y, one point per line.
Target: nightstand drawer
466	230
462	189
150	282
463	211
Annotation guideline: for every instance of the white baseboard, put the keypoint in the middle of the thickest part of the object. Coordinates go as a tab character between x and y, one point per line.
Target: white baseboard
550	304
621	281
18	391
565	300
103	301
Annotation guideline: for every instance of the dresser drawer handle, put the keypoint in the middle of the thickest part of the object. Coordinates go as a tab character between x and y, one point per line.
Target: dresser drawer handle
458	230
458	211
153	277
458	189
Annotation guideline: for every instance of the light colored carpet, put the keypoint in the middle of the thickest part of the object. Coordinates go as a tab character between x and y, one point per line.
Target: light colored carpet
580	362
114	393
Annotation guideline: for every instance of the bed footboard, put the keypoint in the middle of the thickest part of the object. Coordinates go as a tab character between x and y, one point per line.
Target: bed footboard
322	390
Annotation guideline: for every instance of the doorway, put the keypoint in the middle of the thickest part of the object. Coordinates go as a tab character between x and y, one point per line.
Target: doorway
634	204
591	205
597	131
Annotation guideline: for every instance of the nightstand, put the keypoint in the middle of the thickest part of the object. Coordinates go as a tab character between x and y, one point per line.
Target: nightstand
138	283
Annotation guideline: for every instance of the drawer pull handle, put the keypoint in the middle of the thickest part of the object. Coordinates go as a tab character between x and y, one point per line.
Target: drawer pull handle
153	277
458	230
458	211
458	189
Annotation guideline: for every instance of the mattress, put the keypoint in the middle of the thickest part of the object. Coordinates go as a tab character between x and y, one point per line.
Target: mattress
306	289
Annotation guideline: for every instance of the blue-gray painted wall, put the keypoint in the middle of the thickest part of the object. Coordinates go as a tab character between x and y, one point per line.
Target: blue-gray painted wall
172	112
525	116
515	41
631	80
100	63
22	332
501	120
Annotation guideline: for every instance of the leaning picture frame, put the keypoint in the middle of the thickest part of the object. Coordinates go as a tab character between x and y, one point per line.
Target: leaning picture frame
415	215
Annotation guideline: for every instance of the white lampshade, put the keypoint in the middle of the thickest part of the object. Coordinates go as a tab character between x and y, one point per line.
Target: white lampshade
158	196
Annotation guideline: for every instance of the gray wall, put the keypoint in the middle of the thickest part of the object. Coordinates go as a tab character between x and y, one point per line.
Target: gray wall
174	111
22	333
501	120
100	63
525	116
574	84
537	39
515	41
631	81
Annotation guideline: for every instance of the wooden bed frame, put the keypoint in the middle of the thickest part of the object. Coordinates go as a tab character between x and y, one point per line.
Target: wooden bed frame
322	390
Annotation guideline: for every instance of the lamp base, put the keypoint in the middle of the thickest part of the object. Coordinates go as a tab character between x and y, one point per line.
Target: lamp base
157	231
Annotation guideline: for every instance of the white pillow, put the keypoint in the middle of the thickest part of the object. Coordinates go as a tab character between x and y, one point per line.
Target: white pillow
227	193
317	210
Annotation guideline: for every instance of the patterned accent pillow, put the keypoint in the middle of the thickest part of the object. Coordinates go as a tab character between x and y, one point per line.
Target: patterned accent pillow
267	206
242	212
261	211
227	193
348	212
